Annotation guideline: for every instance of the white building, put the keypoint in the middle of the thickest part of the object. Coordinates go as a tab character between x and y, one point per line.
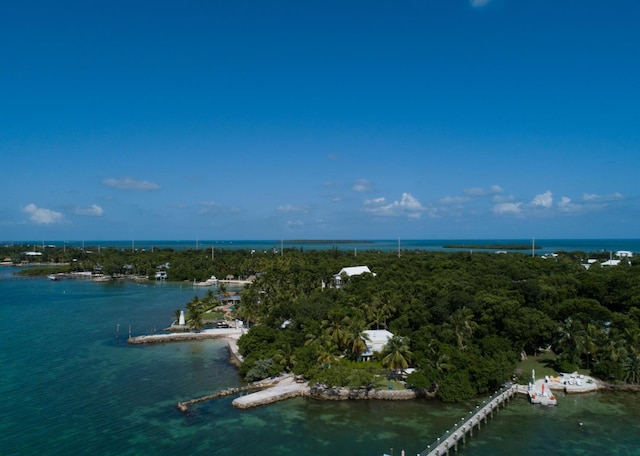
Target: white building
349	272
376	339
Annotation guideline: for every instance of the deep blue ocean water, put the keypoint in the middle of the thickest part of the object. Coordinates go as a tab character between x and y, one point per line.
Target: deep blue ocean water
69	387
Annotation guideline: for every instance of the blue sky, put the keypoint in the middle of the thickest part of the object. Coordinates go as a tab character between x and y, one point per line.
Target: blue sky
426	119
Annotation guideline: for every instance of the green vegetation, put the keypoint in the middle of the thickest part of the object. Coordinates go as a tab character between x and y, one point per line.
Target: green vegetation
461	320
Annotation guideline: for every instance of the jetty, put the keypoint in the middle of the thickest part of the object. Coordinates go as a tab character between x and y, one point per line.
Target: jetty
286	388
218	333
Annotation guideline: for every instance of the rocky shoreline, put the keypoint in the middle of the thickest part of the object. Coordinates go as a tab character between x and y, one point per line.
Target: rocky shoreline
285	386
342	394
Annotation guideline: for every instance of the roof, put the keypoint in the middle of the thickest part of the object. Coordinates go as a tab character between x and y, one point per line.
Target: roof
355	270
378	334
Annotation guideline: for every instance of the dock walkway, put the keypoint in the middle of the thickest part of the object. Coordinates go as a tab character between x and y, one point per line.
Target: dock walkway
450	439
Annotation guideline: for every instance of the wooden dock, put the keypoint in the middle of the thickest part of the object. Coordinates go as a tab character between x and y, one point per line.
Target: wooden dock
453	437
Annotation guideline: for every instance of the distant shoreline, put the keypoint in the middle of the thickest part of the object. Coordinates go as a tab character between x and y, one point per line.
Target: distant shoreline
329	241
492	246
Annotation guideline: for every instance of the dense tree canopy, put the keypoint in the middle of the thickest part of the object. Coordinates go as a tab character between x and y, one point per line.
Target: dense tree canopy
461	319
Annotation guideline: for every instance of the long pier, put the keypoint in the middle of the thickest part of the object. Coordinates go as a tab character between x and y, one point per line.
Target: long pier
452	438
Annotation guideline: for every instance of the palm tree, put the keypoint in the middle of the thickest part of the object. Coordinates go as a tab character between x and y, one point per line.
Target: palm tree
194	314
462	326
568	342
337	326
615	348
357	343
378	311
222	292
323	346
285	357
631	367
587	341
397	353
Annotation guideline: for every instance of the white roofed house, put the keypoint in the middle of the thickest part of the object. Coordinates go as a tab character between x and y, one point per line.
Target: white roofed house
350	272
376	340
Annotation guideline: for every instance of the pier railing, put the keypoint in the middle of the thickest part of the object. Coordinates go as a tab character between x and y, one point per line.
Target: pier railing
451	437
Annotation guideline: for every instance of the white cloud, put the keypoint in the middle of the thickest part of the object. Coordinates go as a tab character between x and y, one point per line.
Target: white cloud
43	216
380	200
480	191
213	207
595	197
479	3
567	206
295	224
407	205
544	199
502	199
507	208
454	199
94	211
129	183
362	185
290	209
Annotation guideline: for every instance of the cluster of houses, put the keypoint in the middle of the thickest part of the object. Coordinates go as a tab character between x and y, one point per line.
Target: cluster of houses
620	256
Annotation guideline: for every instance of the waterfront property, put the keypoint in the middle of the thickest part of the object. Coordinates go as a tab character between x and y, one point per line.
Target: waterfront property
375	339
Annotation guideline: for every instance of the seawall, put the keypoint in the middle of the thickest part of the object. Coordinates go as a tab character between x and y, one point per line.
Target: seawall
178	337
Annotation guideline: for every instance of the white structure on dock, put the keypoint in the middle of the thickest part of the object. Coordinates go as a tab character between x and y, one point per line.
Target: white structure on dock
538	394
181	319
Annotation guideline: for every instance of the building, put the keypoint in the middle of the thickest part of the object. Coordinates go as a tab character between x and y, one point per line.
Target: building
349	272
376	340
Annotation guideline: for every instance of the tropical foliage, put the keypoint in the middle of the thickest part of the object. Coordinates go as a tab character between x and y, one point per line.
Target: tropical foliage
461	319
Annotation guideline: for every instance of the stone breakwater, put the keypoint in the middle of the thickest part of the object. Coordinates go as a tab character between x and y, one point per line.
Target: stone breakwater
179	337
286	388
184	406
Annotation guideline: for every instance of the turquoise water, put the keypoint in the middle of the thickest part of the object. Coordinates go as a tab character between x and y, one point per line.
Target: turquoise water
69	386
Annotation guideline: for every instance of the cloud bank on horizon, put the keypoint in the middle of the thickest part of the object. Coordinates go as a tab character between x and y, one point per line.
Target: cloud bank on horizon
322	121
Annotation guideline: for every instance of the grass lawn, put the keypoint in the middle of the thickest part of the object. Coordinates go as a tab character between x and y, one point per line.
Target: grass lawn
542	364
383	383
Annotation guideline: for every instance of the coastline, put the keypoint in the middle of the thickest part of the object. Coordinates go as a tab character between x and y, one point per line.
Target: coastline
286	386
